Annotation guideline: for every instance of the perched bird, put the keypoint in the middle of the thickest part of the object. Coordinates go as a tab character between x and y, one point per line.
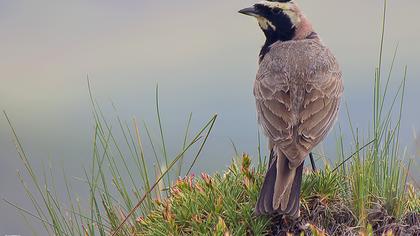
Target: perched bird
297	90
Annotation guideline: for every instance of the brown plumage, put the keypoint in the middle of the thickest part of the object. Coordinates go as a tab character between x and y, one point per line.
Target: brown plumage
297	91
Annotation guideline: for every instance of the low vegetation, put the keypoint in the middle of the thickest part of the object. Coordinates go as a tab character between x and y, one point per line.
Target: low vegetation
223	205
365	193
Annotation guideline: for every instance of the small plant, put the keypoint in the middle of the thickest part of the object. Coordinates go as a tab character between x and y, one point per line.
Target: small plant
222	204
326	185
413	200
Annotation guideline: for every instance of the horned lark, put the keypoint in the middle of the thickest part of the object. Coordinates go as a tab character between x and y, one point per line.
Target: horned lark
297	90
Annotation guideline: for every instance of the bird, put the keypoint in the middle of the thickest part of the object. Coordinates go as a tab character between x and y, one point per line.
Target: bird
298	89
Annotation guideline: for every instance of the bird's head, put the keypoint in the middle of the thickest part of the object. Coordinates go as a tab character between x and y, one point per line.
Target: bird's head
278	19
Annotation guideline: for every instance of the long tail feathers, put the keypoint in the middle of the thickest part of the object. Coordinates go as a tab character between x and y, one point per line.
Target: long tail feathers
280	192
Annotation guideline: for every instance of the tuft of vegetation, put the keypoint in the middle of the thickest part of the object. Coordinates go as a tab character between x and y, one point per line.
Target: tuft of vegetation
378	174
122	186
222	204
326	185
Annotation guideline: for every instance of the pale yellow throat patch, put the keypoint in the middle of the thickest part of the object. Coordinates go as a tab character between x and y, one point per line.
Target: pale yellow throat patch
264	23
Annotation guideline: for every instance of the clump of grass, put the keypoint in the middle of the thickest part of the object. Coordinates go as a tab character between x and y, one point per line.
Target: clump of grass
326	185
122	187
377	174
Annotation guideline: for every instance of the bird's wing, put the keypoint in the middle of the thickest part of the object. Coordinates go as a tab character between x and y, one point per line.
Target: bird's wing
297	91
274	109
319	109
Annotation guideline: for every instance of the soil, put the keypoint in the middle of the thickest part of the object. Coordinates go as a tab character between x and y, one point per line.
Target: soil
336	219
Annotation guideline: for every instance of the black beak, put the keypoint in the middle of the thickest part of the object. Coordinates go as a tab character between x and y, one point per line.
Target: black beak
249	11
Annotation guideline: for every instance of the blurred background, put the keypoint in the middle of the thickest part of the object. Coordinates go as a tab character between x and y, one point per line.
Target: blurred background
203	55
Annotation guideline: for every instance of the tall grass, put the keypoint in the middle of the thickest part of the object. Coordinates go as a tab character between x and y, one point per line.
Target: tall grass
116	197
378	174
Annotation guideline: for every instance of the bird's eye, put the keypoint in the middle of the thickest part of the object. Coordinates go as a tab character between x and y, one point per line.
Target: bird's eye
276	11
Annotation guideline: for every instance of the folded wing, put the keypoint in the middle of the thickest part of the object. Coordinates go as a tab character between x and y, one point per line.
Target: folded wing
297	97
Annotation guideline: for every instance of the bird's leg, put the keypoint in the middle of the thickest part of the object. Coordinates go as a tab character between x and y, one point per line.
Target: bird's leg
311	156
